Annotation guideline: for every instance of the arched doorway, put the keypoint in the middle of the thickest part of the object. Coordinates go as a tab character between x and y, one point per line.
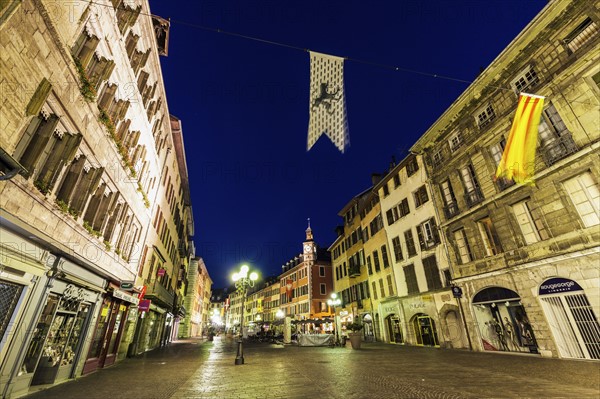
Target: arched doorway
571	317
502	321
425	330
367	322
454	330
394	331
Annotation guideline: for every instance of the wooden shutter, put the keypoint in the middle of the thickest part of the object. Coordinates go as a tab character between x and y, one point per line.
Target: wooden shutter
38	142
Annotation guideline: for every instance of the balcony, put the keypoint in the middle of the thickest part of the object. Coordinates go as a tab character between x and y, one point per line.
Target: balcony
354	271
451	210
503	183
160	295
558	149
473	197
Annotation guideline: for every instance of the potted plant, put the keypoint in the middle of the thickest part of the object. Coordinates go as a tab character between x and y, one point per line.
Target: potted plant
355	336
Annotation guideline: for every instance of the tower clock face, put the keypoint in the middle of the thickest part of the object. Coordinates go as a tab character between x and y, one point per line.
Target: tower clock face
307	248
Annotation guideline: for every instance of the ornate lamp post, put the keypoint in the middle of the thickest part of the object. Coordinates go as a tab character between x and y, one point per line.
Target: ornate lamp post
242	282
333	302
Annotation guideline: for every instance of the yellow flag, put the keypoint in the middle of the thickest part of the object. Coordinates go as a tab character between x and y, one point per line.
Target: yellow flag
518	159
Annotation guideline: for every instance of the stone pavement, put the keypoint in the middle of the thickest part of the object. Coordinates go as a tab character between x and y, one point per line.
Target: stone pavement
199	369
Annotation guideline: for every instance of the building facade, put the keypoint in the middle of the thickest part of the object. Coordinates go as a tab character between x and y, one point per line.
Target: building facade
85	135
306	282
381	285
424	312
350	280
526	257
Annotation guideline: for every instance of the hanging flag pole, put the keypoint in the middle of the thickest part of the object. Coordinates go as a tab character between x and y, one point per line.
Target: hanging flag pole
518	159
327	105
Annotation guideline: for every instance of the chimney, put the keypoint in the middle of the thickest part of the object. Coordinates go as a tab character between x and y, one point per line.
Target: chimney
375	178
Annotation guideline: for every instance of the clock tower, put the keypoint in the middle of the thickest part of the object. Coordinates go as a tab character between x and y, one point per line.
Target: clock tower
309	246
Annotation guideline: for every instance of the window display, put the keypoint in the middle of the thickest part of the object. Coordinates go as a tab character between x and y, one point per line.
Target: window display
503	323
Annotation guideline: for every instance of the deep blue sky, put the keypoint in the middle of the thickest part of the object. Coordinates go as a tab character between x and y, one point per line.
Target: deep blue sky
244	107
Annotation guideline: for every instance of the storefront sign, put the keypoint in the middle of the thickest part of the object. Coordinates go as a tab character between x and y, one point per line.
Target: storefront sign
125	296
127	285
557	285
161	272
389	309
457	292
417	306
144	305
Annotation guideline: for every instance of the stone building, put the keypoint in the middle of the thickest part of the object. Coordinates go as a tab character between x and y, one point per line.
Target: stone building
423	311
526	257
85	143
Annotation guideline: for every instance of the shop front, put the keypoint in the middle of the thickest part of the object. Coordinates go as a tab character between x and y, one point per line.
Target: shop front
109	329
58	337
393	331
502	321
421	312
573	322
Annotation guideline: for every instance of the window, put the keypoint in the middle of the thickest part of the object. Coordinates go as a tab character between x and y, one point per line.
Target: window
490	239
323	289
485	116
384	256
496	152
531	223
45	148
526	79
432	273
390	284
464	250
322	271
455	141
389	214
555	139
428	234
420	196
386	190
581	35
369	265
345	270
397	180
410	243
450	204
381	288
374	290
583	191
473	194
376	261
412	167
411	279
397	249
404	208
437	158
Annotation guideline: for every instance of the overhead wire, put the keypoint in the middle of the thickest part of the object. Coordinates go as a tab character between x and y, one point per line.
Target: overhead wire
304	49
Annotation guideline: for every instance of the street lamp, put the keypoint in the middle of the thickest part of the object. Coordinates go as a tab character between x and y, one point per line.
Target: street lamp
333	302
242	281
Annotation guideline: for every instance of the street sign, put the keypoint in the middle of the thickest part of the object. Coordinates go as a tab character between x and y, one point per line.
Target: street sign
457	292
127	285
161	272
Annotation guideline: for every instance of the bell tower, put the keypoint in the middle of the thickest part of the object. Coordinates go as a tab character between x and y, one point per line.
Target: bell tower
310	249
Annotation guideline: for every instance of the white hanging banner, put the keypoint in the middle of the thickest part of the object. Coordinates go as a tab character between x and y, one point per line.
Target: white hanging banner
327	105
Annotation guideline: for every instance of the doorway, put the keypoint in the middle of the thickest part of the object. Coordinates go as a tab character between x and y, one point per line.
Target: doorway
425	330
394	329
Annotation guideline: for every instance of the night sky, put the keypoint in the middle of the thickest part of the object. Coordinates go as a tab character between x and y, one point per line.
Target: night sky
244	107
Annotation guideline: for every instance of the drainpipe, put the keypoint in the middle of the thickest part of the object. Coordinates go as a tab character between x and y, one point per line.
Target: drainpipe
14	166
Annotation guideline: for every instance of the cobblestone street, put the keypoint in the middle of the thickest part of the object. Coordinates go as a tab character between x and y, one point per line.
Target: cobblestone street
200	369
